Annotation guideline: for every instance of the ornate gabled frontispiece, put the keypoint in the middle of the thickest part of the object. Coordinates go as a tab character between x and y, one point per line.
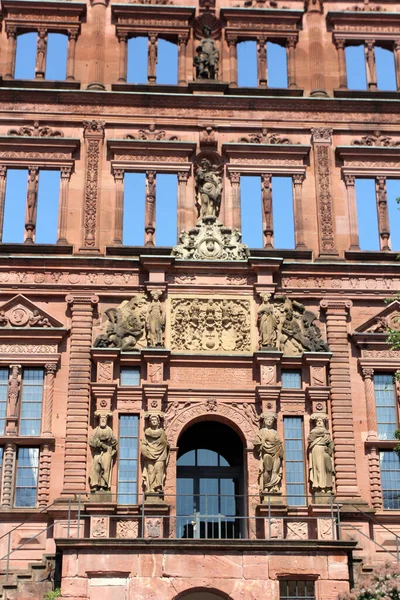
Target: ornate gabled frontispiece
285	325
19	312
134	324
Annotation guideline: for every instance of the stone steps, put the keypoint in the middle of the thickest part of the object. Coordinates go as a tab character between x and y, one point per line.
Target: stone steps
31	583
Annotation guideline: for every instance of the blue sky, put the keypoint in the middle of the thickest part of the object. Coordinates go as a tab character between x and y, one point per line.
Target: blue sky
166	222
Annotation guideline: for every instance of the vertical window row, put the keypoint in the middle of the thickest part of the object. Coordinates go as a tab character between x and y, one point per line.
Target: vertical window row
128	459
294	458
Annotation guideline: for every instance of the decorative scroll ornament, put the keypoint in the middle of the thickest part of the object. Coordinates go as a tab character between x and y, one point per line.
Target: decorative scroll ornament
375	139
134	324
36	131
265	138
269	449
211	240
151	133
210	325
285	325
104	446
320	451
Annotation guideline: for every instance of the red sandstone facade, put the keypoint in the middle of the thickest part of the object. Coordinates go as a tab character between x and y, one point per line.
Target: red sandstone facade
94	127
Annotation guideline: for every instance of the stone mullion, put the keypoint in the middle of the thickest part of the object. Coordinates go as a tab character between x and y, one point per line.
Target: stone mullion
340	45
3	177
182	45
72	37
383	215
236	219
93	134
119	205
184	211
233	65
123	56
291	60
7	487
375	477
341	398
11	52
152	58
63	203
78	402
371	64
368	376
150	208
316	48
97	62
41	52
262	69
352	210
31	204
50	371
298	210
266	197
43	489
397	62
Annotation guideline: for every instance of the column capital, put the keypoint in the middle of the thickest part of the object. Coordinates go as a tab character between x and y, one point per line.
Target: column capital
93	129
367	372
291	41
3	170
396	44
50	368
118	174
322	135
340	43
122	36
234	177
11	31
183	39
298	178
183	176
66	172
370	44
349	180
74	301
336	305
73	34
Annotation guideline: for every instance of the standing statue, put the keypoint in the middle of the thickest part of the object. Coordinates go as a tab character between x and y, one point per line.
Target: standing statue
14	389
209	189
207	59
155	322
320	450
270	452
155	453
104	447
267	324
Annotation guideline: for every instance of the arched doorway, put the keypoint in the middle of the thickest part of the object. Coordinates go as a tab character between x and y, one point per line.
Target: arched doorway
199	595
210	482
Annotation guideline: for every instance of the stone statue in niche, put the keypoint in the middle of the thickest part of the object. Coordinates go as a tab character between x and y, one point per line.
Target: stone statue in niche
134	324
155	454
269	449
14	390
207	60
209	189
320	452
155	322
285	325
104	447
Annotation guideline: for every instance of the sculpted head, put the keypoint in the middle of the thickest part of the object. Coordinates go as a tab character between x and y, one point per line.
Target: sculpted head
319	419
154	421
103	418
268	419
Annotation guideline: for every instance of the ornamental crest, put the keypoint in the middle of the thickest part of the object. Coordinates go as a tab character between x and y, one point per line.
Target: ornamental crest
210	325
21	313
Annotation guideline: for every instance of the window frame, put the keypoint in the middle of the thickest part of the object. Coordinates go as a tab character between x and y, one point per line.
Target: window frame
16	487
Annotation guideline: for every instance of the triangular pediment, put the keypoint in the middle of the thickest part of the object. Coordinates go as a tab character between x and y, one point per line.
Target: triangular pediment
388	318
21	313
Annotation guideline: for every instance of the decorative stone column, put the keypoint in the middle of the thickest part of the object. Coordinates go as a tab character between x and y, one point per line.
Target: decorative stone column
93	133
31	204
3	177
183	39
150	208
262	68
336	310
50	370
8	475
375	477
291	43
43	491
63	203
233	67
298	179
78	402
383	216
123	55
316	26
235	208
11	51
152	58
266	198
72	37
119	205
96	61
371	64
322	146
340	45
397	62
41	50
368	377
183	210
349	181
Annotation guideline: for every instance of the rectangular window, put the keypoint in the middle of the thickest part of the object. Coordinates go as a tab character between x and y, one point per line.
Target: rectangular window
27	476
128	459
130	376
385	401
251	211
283	212
367	214
31	402
294	455
296	590
390	479
166	209
47	207
15	206
291	379
3	399
134	209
